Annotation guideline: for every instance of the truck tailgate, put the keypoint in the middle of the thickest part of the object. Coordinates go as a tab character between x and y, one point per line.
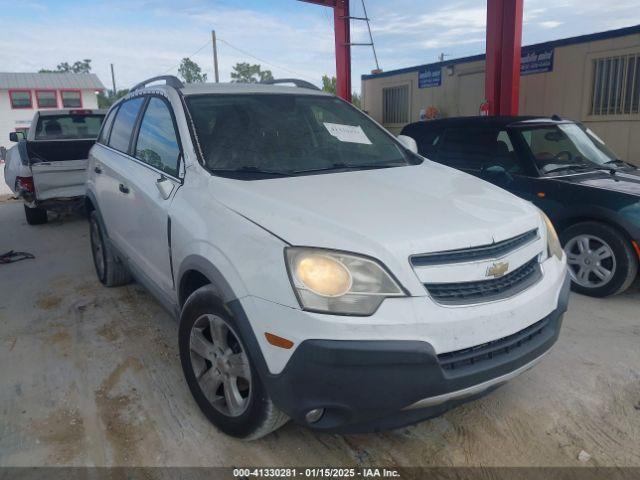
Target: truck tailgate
59	179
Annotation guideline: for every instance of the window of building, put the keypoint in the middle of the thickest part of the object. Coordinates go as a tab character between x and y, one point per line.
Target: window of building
157	141
47	99
20	98
616	85
123	124
395	104
71	98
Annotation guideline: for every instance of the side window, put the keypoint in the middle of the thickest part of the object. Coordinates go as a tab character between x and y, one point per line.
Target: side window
106	127
157	141
474	148
427	141
123	124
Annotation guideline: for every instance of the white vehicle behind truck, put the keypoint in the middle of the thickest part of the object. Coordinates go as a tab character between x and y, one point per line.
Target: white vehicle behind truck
48	169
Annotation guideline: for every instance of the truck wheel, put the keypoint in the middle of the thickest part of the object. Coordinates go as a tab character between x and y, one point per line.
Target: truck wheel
220	372
35	216
109	268
601	260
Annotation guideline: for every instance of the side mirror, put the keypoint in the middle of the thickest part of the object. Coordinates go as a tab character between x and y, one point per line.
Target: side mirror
496	174
408	143
14	137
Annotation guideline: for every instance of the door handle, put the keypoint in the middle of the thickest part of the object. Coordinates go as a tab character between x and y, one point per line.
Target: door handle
97	169
123	188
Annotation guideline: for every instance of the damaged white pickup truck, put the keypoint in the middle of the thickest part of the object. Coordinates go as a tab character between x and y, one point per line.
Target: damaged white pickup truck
48	168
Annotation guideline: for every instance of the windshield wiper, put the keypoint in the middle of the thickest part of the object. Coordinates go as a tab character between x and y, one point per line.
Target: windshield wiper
576	166
617	161
349	167
250	169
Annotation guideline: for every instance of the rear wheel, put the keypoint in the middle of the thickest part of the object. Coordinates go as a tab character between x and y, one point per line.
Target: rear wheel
35	216
109	268
601	260
220	371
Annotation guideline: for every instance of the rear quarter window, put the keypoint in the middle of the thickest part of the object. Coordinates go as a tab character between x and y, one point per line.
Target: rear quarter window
123	124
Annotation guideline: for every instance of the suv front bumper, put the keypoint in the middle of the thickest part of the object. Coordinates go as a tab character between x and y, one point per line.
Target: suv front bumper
369	385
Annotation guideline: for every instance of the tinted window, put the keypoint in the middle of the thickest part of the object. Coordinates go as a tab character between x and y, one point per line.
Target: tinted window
157	141
60	127
288	133
104	133
475	148
425	137
123	124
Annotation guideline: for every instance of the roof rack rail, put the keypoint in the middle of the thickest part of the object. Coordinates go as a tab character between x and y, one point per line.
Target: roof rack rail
295	81
170	80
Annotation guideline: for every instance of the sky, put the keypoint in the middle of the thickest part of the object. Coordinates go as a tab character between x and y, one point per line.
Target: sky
144	38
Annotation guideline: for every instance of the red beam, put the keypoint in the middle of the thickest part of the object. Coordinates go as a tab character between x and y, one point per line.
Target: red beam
342	28
343	49
504	39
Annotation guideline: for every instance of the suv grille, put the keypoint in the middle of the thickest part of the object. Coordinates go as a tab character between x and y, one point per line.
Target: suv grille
487	351
495	250
486	290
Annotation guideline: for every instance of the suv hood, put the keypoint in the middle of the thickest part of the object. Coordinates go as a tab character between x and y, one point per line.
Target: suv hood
401	211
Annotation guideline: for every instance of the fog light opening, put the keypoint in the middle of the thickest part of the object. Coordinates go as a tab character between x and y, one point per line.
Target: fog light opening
314	415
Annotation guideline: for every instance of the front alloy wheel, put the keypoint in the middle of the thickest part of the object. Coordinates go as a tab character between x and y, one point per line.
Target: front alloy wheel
220	365
600	258
592	263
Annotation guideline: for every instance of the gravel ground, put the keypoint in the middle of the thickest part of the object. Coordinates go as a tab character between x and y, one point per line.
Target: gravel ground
91	376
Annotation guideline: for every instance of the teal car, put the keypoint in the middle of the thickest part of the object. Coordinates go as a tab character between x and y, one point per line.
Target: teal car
565	169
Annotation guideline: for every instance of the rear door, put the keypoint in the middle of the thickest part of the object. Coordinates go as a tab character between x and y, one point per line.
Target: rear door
110	161
58	155
151	183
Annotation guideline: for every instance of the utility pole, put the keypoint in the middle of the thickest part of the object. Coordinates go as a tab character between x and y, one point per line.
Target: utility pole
441	56
113	80
215	55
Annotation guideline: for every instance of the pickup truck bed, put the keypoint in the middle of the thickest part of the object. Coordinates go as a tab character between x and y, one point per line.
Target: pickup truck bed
58	167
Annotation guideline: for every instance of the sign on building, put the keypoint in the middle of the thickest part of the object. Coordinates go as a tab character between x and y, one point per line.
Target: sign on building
536	61
430	77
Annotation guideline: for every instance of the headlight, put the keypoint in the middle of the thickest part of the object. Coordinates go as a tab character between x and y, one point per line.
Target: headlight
553	242
339	283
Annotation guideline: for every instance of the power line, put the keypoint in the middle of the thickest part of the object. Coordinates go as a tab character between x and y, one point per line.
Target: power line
194	53
244	52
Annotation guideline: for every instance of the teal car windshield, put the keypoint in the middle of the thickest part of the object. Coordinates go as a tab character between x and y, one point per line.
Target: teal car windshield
566	146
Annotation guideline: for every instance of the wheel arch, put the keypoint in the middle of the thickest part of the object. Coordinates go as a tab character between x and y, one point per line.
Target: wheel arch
196	271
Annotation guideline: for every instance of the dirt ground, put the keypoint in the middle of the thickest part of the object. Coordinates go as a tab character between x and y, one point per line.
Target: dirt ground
91	376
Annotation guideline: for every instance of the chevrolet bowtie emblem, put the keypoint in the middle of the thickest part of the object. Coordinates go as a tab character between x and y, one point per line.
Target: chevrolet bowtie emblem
497	269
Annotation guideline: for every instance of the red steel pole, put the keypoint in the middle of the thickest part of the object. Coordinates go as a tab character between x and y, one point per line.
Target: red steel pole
343	49
511	53
504	41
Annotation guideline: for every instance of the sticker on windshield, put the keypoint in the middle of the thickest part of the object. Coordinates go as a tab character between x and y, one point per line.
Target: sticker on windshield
348	133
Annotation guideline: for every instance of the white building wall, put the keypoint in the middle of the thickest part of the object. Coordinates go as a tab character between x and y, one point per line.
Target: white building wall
11	118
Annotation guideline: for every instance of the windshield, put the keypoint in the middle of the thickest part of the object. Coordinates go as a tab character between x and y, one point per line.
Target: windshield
60	127
288	134
566	146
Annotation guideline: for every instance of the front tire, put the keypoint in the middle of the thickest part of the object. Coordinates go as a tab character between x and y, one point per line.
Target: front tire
35	216
109	268
220	371
601	260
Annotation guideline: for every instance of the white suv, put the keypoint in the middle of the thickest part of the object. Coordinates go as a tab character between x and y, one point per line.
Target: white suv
321	270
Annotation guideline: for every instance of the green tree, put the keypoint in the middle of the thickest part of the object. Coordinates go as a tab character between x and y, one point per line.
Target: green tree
329	85
247	73
80	66
191	72
108	99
